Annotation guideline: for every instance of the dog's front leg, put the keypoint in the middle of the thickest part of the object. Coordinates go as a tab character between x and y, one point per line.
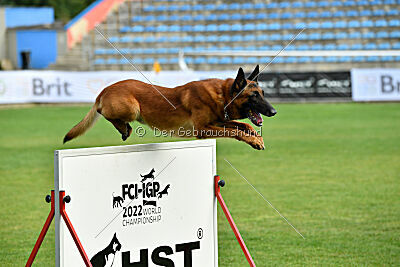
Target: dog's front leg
213	131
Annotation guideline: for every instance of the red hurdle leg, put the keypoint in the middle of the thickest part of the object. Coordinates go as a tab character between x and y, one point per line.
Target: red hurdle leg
230	220
72	230
42	233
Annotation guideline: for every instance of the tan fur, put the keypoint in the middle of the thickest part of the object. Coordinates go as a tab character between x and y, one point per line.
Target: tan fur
199	104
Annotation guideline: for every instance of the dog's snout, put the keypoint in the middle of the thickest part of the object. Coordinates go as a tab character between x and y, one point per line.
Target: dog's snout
272	112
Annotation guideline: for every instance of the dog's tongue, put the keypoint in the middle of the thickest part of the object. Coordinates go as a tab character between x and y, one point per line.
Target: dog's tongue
256	118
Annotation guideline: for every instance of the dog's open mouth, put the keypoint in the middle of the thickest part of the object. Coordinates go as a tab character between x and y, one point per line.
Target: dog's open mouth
255	118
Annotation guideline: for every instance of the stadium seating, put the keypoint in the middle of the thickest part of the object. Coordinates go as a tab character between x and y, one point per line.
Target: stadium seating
163	28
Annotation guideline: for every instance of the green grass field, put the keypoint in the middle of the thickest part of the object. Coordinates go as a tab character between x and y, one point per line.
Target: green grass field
332	169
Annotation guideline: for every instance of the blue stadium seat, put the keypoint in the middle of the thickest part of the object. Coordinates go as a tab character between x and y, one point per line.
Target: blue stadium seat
162	28
186	17
325	14
378	12
188	49
236	16
199	28
161	8
225	38
251	60
393	12
300	25
187	28
310	4
210	7
123	61
174	39
249	27
224	27
212	28
224	16
317	59
356	47
330	46
273	15
185	8
367	24
239	60
149	9
303	47
114	39
338	14
197	7
150	28
349	3
249	16
261	26
137	19
161	50
297	4
222	7
312	14
344	59
343	47
150	39
264	48
395	34
112	61
341	35
276	47
99	51
284	5
249	38
125	29
286	15
291	47
247	6
262	37
328	36
304	59
290	60
274	26
259	6
189	60
341	24
381	23
174	28
323	4
148	60
355	35
99	61
368	35
372	59
396	45
275	37
225	60
387	58
389	2
365	13
352	13
384	46
370	46
287	26
162	60
300	14
177	18
234	6
314	36
315	25
201	17
126	39
331	59
397	58
237	38
138	39
354	24
173	60
261	16
394	23
278	60
212	38
336	3
173	8
272	5
316	47
327	25
302	36
200	38
382	34
212	60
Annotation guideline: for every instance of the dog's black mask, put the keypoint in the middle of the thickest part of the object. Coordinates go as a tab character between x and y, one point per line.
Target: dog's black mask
254	101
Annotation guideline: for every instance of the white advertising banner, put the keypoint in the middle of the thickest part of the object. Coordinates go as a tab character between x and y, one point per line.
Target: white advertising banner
69	87
139	205
375	84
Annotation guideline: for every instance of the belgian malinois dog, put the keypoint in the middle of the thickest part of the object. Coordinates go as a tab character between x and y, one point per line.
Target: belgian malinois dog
202	109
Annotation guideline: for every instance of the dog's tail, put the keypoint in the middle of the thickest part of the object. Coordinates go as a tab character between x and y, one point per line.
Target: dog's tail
84	124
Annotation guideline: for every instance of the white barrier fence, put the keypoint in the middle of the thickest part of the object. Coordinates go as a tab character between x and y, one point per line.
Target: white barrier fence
70	87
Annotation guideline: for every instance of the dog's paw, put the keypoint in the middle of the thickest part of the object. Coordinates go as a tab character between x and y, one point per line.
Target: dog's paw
257	143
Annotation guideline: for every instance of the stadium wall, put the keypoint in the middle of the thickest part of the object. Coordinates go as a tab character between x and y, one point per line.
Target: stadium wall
97	12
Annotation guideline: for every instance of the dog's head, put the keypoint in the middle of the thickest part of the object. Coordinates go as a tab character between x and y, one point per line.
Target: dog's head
249	99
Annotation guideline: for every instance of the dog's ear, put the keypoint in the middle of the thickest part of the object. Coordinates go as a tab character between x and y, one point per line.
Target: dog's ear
239	83
115	235
254	75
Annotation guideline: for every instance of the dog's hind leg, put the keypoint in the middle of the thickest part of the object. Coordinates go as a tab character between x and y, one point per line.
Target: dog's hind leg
124	128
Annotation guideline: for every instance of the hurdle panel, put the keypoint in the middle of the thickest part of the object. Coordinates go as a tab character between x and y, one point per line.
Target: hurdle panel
113	191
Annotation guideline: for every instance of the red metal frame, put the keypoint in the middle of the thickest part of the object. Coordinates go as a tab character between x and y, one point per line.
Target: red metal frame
47	225
231	222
